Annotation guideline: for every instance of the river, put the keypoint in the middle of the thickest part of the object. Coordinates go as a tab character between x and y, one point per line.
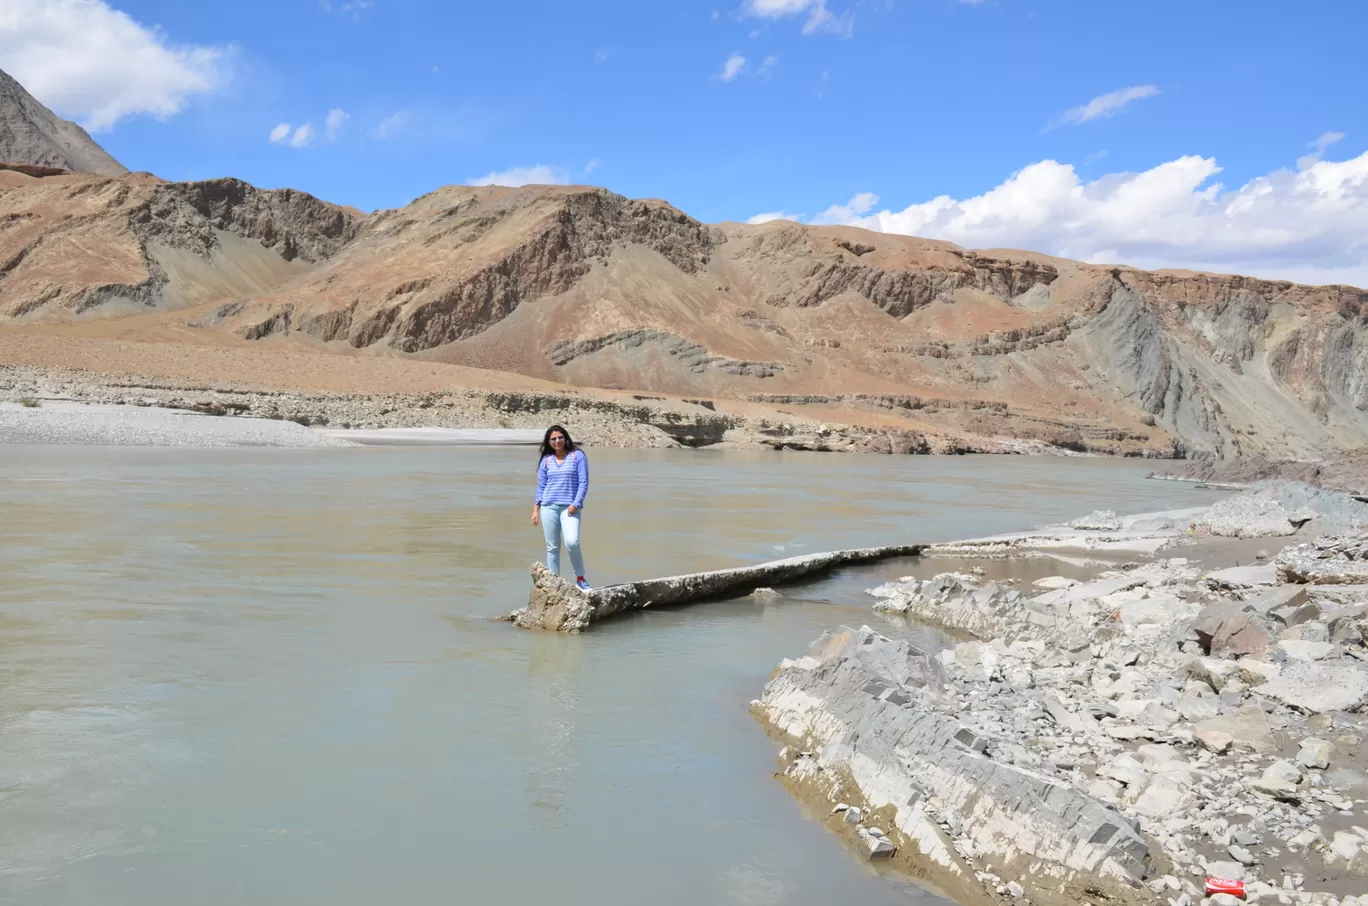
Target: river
268	676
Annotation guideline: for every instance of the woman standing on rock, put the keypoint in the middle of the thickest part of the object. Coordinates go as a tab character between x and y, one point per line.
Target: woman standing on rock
562	482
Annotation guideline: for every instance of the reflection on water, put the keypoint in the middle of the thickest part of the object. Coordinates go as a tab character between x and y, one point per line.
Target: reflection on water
269	676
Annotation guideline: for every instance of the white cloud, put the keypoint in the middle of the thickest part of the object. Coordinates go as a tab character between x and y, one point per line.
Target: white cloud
280	133
392	125
819	18
1320	145
591	166
539	175
91	62
774	215
337	117
767	68
1105	105
303	136
735	65
1309	225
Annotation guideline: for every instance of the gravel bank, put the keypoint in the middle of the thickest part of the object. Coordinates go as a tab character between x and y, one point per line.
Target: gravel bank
75	423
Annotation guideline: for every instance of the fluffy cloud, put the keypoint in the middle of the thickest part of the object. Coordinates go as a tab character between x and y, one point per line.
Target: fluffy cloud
1309	225
735	65
337	117
539	175
299	138
1105	105
303	136
91	62
819	18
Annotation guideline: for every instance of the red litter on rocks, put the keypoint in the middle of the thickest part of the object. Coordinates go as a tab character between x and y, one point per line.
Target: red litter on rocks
1225	885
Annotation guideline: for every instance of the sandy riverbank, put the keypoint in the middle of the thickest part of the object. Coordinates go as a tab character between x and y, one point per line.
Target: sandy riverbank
1194	710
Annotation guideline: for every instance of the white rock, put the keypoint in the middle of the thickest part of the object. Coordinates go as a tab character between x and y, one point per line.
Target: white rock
1319	687
1162	798
1346	845
1315	753
1222	869
1052	583
854	815
1298	650
1282	769
1015	890
880	847
1253	672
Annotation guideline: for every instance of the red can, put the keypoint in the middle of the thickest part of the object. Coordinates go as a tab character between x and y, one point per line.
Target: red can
1225	885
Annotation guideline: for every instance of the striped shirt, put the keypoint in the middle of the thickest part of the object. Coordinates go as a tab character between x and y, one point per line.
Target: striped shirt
563	482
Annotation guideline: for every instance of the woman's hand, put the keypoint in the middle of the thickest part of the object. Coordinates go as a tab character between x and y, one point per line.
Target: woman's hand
536	515
572	509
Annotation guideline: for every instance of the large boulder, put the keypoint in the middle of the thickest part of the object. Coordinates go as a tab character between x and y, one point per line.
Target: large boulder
1231	628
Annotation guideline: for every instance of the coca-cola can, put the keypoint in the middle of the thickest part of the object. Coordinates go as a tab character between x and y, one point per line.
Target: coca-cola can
1225	885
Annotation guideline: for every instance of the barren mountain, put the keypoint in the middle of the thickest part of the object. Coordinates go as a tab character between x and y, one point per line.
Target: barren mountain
32	134
580	286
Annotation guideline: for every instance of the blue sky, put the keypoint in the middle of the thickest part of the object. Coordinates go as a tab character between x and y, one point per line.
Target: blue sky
835	103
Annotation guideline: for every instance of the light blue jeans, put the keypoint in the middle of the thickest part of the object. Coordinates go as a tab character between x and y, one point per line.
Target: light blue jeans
558	524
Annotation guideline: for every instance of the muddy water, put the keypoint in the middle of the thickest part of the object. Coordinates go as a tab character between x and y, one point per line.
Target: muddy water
267	676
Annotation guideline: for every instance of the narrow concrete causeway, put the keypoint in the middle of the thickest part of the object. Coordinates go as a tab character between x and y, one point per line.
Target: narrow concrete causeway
559	606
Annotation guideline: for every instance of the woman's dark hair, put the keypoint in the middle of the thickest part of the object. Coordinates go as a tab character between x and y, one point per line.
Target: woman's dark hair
546	442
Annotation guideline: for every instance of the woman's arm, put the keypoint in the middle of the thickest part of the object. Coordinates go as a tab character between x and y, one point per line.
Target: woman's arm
541	486
581	472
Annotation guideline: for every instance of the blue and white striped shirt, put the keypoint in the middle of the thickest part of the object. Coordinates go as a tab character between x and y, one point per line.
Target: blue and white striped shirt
565	482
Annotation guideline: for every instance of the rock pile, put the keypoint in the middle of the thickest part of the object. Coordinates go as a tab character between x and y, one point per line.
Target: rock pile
1328	561
1217	716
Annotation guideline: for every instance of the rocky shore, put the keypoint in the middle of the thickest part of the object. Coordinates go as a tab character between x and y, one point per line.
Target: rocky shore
1348	473
1193	710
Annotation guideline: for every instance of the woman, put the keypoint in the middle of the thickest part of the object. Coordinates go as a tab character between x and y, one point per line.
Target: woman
562	482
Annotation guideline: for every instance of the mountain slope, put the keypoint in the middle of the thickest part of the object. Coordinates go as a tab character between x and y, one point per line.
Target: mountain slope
74	245
582	287
32	134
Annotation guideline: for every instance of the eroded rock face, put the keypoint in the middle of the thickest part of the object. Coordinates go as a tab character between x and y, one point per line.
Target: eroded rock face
871	709
84	245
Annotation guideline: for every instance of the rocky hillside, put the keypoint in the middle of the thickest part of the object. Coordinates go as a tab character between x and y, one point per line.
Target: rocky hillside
579	286
74	246
32	134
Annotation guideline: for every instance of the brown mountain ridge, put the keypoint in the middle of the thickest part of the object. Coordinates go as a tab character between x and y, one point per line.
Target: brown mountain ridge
579	286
